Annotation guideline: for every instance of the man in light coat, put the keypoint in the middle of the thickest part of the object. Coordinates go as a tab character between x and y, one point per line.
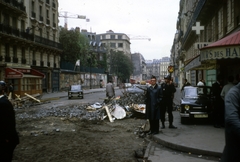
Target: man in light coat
110	92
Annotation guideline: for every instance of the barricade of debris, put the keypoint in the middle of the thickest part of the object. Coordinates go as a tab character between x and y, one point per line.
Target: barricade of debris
26	101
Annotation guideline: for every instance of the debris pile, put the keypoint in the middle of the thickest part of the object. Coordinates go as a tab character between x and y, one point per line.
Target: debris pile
130	105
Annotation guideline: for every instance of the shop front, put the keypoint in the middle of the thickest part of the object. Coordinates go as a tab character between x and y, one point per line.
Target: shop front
226	55
24	80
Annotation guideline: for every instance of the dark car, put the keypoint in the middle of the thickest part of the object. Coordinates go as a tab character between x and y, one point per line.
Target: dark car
75	91
196	104
137	88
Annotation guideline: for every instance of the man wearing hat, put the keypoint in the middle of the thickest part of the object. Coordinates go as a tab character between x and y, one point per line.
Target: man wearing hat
168	90
8	135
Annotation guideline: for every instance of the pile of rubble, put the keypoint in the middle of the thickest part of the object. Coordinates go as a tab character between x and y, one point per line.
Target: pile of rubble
129	105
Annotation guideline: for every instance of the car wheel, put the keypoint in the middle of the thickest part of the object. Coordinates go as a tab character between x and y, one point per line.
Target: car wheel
82	97
69	97
184	120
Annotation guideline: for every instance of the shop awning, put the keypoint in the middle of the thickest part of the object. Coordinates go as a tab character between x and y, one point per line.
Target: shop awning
228	47
195	64
11	73
230	40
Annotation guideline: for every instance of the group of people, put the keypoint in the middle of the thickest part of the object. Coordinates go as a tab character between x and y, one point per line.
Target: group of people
159	99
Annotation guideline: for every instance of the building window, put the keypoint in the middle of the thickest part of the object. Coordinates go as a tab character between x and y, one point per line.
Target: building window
7	50
230	14
47	34
120	45
22	25
113	45
47	13
23	53
15	51
33	55
40	32
112	36
54	37
220	22
119	36
33	8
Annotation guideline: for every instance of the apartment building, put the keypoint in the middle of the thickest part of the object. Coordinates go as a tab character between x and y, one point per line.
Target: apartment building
29	48
139	71
157	67
208	41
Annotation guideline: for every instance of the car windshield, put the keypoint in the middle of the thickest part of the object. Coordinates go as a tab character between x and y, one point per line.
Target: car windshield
190	92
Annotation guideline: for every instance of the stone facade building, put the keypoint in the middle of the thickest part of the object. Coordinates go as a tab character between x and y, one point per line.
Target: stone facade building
29	47
139	71
208	41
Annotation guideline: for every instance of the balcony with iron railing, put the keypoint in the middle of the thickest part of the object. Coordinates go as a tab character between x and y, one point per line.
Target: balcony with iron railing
15	4
6	29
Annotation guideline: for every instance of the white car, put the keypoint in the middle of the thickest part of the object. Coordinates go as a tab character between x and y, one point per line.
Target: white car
75	91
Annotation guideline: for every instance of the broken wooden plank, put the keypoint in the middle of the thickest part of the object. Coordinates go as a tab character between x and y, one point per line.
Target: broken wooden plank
32	97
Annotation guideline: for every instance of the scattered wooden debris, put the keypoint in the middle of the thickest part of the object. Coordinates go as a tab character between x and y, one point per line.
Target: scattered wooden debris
26	100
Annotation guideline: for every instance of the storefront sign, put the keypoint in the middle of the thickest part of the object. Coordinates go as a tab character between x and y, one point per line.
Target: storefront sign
220	53
12	73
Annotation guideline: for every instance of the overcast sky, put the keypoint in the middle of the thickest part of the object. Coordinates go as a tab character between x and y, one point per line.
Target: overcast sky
154	19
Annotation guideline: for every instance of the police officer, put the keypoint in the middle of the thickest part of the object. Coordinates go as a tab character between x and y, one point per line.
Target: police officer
8	134
168	90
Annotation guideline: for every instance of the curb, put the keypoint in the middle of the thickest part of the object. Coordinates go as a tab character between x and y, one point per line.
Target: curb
186	149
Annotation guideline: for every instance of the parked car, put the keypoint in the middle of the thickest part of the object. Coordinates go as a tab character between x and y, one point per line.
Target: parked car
196	103
137	88
75	91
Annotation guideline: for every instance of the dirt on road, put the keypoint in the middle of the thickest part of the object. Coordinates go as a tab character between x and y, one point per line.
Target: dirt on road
60	138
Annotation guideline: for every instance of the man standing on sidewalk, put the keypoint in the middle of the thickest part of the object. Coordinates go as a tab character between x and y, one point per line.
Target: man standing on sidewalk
153	99
168	91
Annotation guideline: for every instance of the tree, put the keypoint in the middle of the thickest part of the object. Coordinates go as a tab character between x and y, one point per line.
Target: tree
120	65
75	46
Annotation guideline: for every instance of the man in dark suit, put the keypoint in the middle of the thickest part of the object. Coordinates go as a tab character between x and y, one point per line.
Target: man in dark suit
8	135
218	102
231	150
153	100
168	90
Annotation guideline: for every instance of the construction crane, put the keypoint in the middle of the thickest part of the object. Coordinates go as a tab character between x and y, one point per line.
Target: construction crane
67	15
139	38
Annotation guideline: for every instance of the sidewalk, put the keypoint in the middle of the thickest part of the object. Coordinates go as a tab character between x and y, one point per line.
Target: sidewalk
194	139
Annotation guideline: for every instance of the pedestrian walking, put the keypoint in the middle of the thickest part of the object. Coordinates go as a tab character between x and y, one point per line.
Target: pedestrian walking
8	134
110	92
168	91
200	83
186	83
227	87
218	103
231	152
10	91
153	101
